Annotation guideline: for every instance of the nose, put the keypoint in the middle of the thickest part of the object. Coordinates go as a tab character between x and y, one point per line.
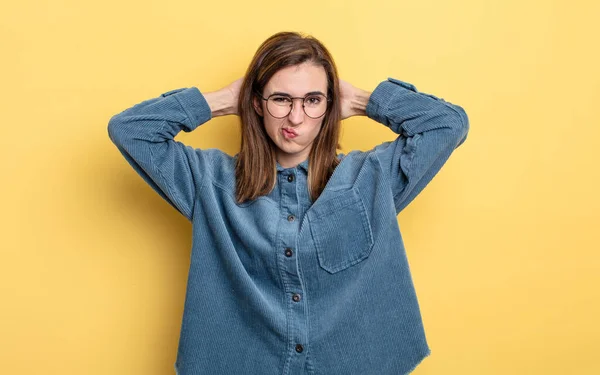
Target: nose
296	115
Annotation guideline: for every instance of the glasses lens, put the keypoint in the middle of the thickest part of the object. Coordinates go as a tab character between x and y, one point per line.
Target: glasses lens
315	105
279	106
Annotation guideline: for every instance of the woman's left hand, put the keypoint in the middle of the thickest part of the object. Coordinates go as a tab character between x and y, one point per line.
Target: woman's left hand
353	100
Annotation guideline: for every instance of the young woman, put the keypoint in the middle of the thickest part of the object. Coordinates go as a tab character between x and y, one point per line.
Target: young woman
298	265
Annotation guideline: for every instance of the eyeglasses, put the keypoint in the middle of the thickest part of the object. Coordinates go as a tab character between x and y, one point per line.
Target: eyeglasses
279	106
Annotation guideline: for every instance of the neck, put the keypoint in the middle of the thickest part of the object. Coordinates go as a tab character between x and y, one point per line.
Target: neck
290	161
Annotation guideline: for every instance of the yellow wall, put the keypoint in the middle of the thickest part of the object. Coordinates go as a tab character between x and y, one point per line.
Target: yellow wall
503	244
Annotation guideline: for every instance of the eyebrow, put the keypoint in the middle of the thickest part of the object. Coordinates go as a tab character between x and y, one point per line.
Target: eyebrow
307	94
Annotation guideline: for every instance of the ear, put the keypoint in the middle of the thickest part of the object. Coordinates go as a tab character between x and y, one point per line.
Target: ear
257	104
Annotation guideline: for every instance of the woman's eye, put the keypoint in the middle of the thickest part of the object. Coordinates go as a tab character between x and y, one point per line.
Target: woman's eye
281	99
314	100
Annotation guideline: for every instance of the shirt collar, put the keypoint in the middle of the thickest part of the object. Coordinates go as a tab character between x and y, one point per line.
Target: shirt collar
303	165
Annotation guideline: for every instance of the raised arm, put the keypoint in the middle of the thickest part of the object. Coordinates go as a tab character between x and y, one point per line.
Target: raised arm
145	134
429	129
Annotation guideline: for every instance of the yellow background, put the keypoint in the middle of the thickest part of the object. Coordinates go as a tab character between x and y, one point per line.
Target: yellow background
503	244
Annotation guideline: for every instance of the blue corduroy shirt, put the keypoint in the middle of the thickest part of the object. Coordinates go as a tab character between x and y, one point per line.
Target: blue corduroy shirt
281	285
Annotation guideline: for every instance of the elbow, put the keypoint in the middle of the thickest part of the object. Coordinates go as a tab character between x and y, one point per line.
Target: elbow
115	130
459	122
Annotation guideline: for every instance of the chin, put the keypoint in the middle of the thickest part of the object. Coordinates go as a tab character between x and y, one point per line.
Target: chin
290	148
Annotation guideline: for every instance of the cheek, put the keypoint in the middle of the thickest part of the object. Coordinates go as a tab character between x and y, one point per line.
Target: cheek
272	126
315	130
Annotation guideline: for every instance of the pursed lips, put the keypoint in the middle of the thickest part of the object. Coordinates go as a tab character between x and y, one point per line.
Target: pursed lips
289	132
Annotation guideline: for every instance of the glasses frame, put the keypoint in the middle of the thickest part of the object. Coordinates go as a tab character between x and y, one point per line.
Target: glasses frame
327	99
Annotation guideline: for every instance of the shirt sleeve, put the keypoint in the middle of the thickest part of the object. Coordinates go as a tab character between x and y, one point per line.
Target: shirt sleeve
145	133
429	129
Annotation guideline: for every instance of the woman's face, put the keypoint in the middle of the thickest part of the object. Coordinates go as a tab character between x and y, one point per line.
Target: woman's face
294	134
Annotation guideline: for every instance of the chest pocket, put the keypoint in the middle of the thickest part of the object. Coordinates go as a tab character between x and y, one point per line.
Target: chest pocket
341	231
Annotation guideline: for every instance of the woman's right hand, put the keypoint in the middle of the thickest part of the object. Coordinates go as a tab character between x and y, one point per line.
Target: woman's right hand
234	90
225	101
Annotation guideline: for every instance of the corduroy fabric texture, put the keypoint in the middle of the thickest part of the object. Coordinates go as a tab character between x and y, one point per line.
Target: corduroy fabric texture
282	285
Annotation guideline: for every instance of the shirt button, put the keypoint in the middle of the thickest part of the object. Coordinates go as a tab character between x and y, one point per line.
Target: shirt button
296	297
291	218
299	348
291	178
288	252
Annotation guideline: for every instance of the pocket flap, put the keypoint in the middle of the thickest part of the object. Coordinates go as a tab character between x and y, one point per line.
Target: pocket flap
341	231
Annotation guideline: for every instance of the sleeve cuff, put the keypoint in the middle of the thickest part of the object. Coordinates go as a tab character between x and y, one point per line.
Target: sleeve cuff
382	96
384	93
194	104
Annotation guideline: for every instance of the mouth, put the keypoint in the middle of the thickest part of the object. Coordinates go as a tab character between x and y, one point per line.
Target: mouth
289	133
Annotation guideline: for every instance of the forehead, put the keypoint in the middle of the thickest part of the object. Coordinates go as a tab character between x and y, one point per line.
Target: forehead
297	80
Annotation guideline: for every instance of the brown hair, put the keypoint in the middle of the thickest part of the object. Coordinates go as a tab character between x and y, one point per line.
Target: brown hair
256	172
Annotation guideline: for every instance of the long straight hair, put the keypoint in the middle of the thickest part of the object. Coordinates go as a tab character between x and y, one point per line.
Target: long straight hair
256	165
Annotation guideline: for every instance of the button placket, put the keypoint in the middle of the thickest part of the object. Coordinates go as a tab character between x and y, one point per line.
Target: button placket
292	211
